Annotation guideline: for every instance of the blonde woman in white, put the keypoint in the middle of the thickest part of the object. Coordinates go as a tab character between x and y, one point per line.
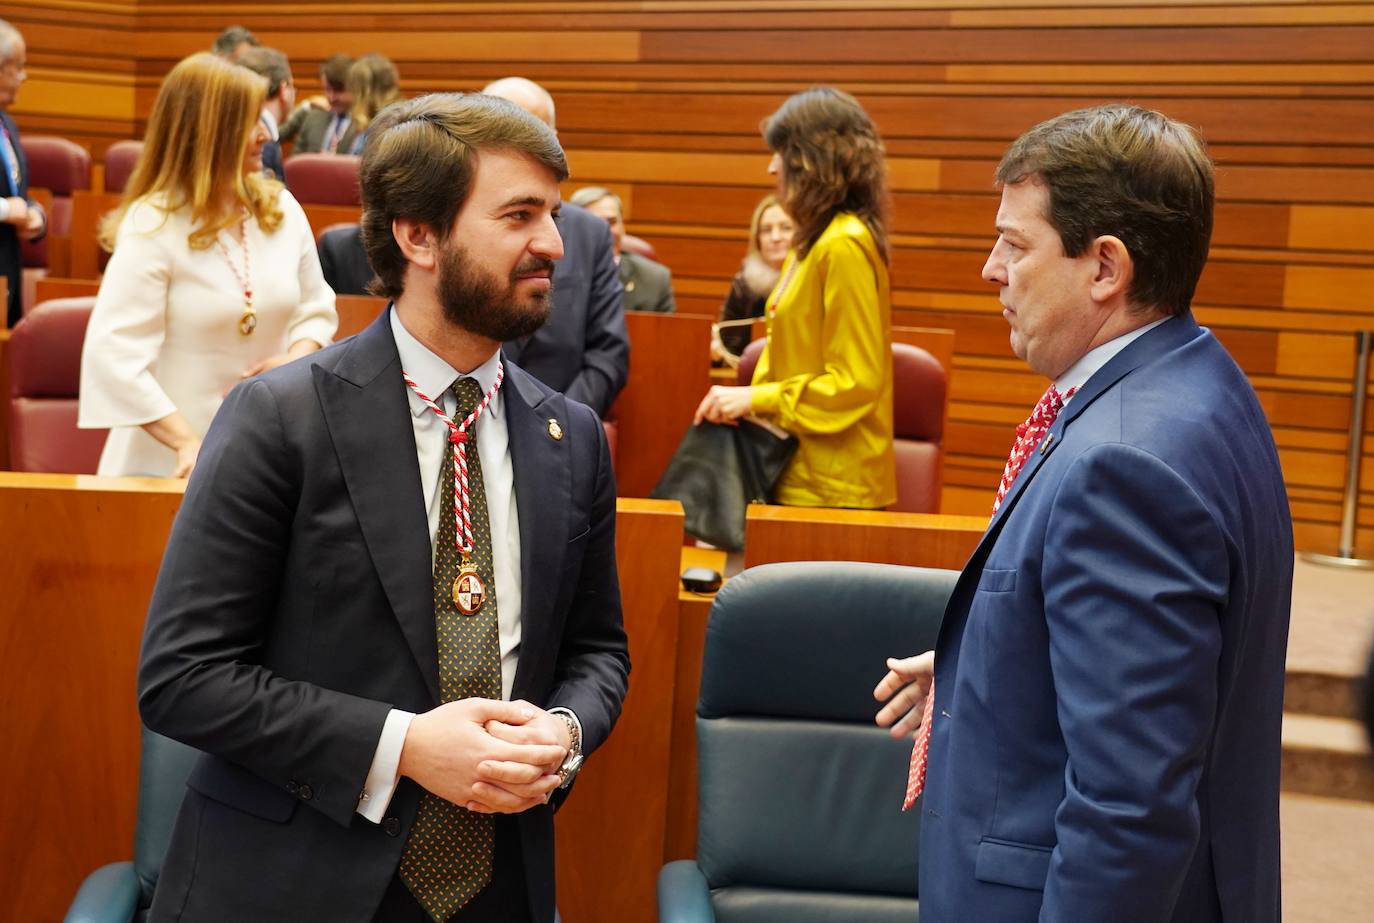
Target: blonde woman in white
213	276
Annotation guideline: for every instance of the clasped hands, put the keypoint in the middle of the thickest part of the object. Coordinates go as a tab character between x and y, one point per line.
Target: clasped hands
904	689
487	755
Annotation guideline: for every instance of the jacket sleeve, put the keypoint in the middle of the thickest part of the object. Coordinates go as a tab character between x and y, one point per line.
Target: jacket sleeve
606	356
854	347
1135	582
201	677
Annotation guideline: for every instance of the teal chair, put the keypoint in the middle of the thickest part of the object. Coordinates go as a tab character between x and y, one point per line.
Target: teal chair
800	815
122	892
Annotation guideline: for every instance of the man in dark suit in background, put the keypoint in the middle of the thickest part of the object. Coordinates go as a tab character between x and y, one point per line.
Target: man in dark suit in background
20	216
583	350
281	96
648	284
1104	729
324	124
374	669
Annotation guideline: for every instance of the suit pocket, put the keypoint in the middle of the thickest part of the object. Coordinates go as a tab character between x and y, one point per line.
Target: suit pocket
997	581
1021	865
238	788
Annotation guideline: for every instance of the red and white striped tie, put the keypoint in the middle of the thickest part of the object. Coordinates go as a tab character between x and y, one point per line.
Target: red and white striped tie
1028	436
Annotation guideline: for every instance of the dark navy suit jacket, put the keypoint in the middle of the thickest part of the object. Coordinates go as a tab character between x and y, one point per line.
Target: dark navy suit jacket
583	349
11	258
1109	675
295	608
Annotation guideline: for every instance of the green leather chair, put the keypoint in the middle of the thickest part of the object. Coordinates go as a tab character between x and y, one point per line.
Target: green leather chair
122	892
800	792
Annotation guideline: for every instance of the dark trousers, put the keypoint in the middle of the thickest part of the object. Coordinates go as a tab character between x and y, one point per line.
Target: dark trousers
505	900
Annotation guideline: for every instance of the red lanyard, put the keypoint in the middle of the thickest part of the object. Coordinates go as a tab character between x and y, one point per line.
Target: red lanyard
458	438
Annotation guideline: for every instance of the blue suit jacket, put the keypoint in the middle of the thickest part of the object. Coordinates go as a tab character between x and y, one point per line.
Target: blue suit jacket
11	257
1109	675
583	349
295	608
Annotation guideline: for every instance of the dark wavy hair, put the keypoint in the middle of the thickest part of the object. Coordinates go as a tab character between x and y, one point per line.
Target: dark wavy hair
832	162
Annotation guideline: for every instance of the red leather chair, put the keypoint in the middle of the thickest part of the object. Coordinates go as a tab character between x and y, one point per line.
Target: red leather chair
638	246
45	376
120	160
919	389
324	179
61	167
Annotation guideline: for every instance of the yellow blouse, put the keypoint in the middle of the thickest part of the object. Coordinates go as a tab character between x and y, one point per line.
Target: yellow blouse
826	373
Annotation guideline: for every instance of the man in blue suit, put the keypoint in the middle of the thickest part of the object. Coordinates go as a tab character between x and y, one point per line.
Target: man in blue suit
394	689
1108	681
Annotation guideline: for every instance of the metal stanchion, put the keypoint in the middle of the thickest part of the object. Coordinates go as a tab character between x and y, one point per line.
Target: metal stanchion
1345	551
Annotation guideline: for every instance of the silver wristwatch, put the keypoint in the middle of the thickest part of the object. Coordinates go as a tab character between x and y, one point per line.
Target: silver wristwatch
568	771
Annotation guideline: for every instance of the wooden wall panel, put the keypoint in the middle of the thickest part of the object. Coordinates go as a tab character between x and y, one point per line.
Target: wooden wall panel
663	102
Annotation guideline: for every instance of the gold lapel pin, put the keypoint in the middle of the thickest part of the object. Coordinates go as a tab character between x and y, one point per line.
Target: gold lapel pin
1044	446
555	431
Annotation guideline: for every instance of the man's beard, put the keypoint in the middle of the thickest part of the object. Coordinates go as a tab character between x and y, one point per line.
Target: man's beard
477	301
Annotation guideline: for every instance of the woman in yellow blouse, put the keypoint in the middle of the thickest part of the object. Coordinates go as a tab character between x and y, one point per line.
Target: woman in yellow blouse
826	373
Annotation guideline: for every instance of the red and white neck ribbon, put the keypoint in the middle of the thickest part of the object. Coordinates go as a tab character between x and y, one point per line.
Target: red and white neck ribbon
458	438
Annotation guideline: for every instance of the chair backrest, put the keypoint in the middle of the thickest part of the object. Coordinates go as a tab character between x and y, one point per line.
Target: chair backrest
919	388
744	372
45	378
324	179
162	774
638	246
61	167
800	793
120	160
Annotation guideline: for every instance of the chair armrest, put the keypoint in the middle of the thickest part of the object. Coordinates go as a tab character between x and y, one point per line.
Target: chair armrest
108	895
683	895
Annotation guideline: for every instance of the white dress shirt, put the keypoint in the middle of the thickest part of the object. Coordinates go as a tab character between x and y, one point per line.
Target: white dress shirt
433	376
1092	360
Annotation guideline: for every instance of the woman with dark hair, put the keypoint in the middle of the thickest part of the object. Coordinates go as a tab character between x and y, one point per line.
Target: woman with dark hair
213	276
826	374
770	237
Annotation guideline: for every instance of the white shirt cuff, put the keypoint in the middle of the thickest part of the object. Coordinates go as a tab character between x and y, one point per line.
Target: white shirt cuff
383	775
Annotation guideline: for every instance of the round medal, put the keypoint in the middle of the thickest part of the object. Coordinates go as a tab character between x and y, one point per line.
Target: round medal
248	322
469	592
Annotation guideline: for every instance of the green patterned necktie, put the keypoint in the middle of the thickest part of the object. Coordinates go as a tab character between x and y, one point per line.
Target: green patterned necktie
447	859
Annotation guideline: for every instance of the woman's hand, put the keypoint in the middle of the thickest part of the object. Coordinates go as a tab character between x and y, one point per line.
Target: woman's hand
724	404
186	458
298	349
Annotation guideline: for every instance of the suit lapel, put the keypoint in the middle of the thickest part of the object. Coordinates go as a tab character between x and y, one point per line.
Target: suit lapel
1141	351
368	416
543	493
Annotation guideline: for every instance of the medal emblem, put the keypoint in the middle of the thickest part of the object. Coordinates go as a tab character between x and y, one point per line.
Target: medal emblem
468	591
248	322
555	431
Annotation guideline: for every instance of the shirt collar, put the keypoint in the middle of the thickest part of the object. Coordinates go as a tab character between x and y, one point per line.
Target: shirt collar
270	121
1088	364
433	375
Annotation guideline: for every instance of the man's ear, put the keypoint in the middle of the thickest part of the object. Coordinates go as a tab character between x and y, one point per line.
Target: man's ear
1114	269
418	242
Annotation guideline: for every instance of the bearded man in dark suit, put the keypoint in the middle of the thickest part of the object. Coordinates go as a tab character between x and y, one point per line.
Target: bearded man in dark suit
389	610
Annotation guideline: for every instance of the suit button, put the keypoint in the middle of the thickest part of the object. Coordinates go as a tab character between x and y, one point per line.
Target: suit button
306	793
392	826
292	787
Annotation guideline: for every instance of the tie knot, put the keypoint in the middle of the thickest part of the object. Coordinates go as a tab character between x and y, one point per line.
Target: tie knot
468	394
1051	402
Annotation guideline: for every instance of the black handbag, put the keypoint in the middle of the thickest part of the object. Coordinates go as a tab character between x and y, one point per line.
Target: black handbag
719	470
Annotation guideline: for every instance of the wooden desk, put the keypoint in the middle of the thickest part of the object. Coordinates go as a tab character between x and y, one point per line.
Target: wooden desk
51	287
87	210
356	312
670	370
789	533
81	557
